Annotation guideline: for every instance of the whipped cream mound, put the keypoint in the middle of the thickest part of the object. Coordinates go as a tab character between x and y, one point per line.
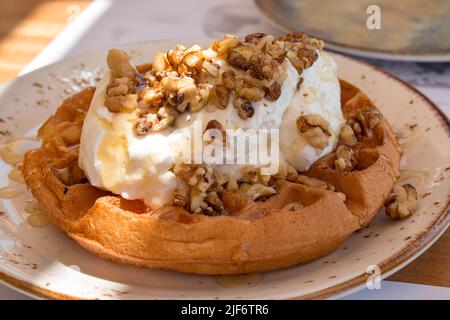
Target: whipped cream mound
115	158
320	94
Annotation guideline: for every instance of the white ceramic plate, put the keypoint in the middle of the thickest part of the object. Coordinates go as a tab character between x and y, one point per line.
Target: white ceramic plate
43	262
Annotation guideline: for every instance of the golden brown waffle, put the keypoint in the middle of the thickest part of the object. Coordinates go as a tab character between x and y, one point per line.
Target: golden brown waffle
258	236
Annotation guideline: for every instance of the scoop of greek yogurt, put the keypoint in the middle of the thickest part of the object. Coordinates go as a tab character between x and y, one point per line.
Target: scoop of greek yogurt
114	158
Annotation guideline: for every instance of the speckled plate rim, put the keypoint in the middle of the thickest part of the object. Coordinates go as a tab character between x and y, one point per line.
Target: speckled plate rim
360	51
387	267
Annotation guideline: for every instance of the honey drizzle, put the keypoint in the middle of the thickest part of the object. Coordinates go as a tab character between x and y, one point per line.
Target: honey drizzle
37	217
9	154
15	175
10	192
419	176
38	220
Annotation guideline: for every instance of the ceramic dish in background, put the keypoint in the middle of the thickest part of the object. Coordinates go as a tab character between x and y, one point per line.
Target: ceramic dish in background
411	30
38	259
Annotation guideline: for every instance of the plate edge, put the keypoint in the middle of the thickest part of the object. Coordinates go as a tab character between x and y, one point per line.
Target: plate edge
362	52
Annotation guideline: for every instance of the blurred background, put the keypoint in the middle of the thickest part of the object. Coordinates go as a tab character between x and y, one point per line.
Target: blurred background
34	33
28	26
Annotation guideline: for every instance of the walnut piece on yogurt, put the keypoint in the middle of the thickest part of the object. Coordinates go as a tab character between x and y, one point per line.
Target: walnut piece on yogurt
120	92
315	129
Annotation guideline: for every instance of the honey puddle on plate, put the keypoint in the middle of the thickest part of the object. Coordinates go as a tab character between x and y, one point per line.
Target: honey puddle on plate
418	175
16	174
37	217
245	280
10	192
11	154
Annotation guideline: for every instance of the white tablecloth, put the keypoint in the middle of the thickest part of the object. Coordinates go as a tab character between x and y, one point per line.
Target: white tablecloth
107	23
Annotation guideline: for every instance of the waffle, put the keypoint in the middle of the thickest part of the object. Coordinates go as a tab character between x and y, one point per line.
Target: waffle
256	236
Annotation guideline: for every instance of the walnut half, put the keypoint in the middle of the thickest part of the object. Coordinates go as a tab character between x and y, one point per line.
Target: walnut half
401	202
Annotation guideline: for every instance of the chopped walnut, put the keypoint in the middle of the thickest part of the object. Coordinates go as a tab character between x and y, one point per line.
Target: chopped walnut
301	50
342	195
119	64
315	129
301	57
244	90
244	107
302	38
179	198
294	37
221	179
118	90
152	122
254	37
273	92
241	56
345	159
286	172
119	95
229	79
219	96
212	69
160	63
293	206
261	58
200	99
401	202
265	67
214	201
356	129
341	165
347	136
223	45
175	57
197	177
197	200
277	51
363	122
120	86
192	62
205	188
185	171
121	103
151	99
255	191
253	175
232	185
175	98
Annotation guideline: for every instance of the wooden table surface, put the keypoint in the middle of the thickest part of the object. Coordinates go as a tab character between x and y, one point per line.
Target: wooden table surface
28	26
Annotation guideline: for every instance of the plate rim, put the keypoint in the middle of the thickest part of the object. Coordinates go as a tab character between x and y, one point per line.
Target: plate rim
390	265
361	51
